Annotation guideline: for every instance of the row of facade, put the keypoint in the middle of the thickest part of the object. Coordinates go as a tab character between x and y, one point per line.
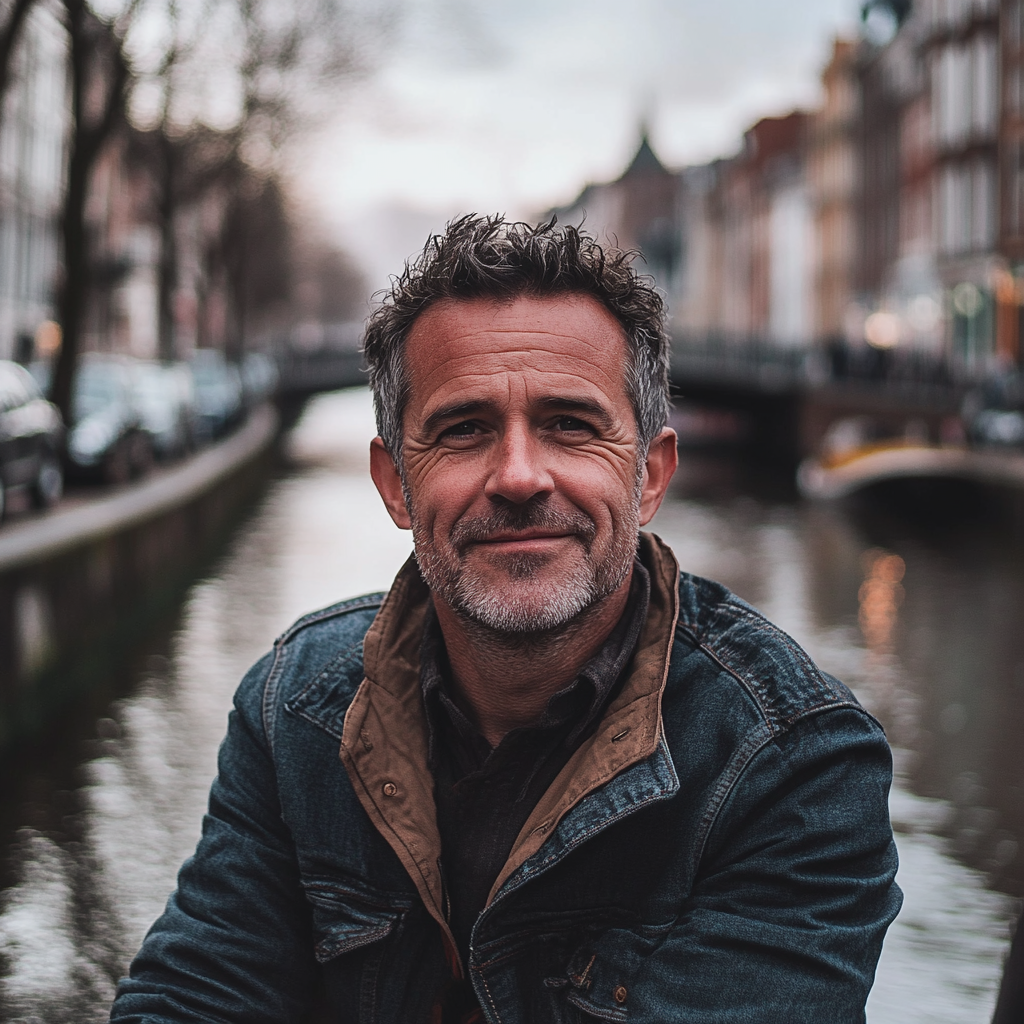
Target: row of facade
892	216
32	132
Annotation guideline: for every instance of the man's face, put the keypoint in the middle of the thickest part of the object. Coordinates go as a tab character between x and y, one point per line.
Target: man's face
523	481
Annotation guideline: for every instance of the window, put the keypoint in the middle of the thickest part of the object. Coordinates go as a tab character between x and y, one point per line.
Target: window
984	86
951	89
983	206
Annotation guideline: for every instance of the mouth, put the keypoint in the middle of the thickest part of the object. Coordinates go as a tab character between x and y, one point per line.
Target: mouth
525	540
513	536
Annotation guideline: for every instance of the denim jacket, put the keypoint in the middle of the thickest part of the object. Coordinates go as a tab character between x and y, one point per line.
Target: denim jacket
719	850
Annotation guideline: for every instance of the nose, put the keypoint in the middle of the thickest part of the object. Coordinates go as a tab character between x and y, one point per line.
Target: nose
518	472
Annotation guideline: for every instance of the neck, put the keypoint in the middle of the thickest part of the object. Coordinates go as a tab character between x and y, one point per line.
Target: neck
505	680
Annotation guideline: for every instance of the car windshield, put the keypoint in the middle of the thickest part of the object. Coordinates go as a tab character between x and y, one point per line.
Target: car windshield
96	387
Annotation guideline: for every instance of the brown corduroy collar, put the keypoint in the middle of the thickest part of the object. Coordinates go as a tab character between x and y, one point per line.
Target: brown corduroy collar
384	741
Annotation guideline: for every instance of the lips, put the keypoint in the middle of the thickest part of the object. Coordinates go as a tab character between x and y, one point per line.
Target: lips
520	525
525	537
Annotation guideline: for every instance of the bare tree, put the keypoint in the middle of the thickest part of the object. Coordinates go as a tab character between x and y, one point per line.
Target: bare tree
167	66
279	59
99	77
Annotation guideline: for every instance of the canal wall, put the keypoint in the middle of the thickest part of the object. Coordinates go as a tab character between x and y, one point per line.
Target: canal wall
78	585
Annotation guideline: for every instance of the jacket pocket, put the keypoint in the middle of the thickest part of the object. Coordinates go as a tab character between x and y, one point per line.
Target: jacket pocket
347	918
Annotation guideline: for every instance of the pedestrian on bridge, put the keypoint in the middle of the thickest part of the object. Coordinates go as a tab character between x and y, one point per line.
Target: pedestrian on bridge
547	777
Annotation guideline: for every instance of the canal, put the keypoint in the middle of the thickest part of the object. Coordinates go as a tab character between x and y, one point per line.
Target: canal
924	620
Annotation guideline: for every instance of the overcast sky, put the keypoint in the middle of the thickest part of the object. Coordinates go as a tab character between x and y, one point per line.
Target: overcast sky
514	105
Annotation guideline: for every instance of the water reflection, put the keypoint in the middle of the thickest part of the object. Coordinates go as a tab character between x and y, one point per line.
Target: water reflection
894	628
927	633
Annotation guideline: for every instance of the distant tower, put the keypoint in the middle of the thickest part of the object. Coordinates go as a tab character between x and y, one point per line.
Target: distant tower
639	210
649	210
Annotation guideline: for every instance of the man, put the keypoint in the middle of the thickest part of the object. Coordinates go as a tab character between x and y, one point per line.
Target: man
547	777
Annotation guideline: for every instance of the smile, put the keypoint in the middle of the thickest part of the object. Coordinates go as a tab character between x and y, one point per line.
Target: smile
527	538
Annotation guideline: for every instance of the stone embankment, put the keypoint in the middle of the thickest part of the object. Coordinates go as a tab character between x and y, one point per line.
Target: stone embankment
79	584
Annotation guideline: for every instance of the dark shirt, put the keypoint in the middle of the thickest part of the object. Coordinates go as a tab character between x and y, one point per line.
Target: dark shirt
485	794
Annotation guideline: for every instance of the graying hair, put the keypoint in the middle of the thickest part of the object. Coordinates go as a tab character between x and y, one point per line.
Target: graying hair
489	257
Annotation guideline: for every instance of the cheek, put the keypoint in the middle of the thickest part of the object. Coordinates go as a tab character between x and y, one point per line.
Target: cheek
607	496
441	494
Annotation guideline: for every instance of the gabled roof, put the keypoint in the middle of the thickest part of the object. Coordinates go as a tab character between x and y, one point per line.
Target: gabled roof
645	162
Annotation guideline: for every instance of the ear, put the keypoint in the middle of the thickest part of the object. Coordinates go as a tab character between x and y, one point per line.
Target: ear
662	459
389	484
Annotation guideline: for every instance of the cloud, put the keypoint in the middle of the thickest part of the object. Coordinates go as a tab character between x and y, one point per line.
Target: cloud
516	104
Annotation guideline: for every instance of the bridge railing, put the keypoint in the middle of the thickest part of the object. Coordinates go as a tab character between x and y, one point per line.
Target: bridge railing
749	363
318	357
762	365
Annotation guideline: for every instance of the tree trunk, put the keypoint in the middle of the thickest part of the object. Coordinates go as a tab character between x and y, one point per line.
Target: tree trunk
88	38
168	268
71	298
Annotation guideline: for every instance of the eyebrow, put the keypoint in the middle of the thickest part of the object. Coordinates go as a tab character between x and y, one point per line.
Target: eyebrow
569	403
457	411
579	403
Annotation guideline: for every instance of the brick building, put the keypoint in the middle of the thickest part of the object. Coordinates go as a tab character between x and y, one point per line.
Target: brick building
32	133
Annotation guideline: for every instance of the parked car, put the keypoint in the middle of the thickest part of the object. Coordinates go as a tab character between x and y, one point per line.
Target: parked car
31	433
218	393
259	378
107	439
998	427
166	401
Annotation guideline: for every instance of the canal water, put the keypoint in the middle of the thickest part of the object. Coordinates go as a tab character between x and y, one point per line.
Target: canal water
925	622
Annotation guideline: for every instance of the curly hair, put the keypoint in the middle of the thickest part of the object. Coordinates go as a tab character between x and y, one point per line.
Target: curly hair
489	257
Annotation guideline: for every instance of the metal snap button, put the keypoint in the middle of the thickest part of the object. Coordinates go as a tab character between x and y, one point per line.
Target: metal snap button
389	789
620	993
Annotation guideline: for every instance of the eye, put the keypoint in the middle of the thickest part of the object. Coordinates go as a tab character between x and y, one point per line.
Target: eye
459	430
572	425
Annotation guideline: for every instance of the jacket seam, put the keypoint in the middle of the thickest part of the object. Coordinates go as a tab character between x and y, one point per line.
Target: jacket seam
581	838
749	685
594	1011
742	760
334	611
335	664
727	782
270	691
490	998
752	616
766	706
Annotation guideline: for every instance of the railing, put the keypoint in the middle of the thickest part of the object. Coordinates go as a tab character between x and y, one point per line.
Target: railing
325	369
749	363
761	365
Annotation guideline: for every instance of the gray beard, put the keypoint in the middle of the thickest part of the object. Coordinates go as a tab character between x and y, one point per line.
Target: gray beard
519	612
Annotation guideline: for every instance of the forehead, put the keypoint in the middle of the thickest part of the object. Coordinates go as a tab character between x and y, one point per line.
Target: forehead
461	343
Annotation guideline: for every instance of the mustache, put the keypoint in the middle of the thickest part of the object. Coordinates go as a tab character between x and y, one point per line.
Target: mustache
531	515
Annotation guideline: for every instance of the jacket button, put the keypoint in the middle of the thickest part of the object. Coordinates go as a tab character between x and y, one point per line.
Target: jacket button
389	789
619	995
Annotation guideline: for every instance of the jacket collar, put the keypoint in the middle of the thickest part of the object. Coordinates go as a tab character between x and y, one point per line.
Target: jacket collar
385	739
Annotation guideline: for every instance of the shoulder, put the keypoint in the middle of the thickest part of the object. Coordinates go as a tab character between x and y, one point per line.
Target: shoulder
325	637
739	647
319	655
355	614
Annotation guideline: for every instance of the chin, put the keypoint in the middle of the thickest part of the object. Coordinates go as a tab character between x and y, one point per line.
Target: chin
523	614
521	602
